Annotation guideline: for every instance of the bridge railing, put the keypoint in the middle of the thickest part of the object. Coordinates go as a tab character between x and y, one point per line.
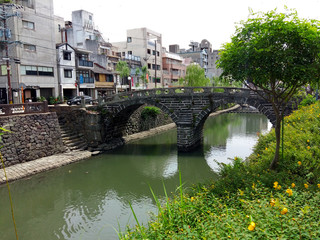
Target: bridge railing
177	91
26	108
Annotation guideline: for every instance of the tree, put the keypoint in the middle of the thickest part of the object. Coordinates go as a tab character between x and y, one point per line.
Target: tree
137	73
123	69
144	71
277	53
195	77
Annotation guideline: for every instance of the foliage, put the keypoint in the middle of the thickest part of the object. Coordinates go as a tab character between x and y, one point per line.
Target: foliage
225	82
123	69
308	100
144	72
277	53
54	100
195	77
149	112
250	201
41	99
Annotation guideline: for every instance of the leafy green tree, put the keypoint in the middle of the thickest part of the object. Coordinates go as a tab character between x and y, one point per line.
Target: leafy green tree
144	71
276	53
123	69
137	73
195	77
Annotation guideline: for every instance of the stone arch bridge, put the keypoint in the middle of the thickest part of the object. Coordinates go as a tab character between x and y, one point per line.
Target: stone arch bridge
188	107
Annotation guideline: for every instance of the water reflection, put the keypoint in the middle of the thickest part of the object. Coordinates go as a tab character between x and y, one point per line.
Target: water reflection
87	200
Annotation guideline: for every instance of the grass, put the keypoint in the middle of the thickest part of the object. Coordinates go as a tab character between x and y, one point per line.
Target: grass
249	201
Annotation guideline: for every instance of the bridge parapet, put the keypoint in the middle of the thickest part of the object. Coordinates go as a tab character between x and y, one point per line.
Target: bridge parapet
179	91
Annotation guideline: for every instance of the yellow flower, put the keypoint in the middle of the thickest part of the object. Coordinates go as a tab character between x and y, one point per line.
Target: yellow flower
253	185
266	149
293	185
308	147
284	211
275	185
299	163
289	191
272	202
318	185
252	226
192	199
306	185
308	141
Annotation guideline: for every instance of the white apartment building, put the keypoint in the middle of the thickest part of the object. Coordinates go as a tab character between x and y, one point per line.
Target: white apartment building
147	45
31	50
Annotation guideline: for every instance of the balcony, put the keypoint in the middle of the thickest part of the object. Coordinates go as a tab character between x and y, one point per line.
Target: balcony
86	80
85	63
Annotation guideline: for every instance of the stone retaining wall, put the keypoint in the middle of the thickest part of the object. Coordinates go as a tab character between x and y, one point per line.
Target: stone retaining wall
32	136
137	124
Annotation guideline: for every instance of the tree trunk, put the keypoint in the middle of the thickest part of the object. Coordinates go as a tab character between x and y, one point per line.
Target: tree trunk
277	129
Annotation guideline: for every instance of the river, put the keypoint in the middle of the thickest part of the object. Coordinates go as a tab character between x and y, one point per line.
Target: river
90	199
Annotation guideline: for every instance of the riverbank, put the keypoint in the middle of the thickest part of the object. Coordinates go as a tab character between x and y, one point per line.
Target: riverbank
250	201
27	169
30	168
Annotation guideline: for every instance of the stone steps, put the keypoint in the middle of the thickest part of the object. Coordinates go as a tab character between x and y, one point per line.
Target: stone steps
73	141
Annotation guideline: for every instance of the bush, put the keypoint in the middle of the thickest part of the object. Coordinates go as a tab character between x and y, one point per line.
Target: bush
149	112
308	100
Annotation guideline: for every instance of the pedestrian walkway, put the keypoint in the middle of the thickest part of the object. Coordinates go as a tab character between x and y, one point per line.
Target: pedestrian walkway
26	169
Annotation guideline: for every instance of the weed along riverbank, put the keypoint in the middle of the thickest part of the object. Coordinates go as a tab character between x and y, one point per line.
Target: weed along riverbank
249	201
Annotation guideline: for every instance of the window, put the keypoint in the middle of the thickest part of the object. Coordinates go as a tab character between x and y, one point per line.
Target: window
90	17
123	54
130	52
3	71
28	25
36	71
68	73
158	54
45	71
66	55
148	51
149	66
153	52
29	47
129	39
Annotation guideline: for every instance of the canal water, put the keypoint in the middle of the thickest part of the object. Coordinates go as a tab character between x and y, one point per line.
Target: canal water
90	199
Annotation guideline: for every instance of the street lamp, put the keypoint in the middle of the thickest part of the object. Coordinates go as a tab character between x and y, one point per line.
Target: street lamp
155	63
129	78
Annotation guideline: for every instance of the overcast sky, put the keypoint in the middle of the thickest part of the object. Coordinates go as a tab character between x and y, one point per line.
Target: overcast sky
179	21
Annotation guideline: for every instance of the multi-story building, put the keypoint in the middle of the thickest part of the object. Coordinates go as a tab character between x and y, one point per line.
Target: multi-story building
147	45
29	49
173	69
202	54
213	70
66	63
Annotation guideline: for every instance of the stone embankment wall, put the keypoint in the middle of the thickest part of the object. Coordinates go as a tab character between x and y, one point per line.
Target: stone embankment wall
32	136
90	124
137	124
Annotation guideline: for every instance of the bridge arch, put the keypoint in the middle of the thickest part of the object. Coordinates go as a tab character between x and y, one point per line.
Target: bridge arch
188	108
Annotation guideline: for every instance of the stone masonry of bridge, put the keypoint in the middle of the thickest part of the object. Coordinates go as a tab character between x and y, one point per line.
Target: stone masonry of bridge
188	108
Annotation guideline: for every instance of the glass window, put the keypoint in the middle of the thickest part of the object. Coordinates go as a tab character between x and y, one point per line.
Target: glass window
45	71
66	55
68	73
129	39
148	51
29	47
28	25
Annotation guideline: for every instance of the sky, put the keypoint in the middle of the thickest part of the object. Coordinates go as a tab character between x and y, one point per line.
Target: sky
179	21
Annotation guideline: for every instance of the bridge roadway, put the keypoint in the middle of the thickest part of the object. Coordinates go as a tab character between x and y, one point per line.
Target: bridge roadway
188	107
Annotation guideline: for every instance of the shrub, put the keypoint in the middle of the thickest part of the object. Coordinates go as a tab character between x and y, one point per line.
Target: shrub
149	112
308	100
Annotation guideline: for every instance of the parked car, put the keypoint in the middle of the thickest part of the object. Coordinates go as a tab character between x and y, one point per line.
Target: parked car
77	100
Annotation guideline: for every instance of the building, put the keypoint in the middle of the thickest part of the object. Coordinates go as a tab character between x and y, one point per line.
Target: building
173	69
213	70
66	64
29	49
202	54
147	45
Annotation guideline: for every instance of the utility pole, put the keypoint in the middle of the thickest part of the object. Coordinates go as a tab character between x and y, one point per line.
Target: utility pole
7	54
7	35
155	62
